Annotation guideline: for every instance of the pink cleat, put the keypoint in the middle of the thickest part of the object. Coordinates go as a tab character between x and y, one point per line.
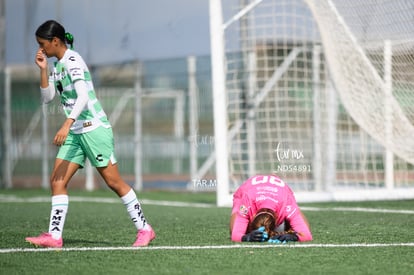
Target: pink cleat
144	237
45	240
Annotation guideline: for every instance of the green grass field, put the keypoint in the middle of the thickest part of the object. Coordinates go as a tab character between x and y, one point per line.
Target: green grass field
349	238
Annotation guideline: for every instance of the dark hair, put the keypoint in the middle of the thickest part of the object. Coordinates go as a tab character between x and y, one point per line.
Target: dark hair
51	28
264	217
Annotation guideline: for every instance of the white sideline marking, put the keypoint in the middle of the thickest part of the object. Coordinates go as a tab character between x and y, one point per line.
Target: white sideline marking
4	198
11	198
201	247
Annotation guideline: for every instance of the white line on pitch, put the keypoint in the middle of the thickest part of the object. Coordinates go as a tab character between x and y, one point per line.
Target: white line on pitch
206	247
104	200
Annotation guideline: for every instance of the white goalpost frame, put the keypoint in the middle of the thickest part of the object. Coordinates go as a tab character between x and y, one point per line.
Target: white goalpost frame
219	101
322	191
138	185
389	155
193	117
317	159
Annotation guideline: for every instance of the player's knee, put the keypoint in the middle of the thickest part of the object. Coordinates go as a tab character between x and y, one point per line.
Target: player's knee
118	186
57	184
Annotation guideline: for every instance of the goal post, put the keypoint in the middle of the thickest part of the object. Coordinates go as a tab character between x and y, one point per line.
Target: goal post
219	101
318	92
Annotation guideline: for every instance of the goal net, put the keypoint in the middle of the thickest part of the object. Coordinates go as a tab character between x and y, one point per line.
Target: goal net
318	92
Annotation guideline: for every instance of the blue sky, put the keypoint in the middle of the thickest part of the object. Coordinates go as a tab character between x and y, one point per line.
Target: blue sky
108	31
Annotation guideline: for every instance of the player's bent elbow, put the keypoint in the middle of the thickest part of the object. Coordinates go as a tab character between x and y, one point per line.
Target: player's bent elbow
47	94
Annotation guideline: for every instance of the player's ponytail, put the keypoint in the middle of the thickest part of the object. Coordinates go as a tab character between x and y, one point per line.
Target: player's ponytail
69	39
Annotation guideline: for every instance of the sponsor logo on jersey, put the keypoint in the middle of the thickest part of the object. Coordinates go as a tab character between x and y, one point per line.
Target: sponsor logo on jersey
57	76
76	72
243	210
68	104
87	124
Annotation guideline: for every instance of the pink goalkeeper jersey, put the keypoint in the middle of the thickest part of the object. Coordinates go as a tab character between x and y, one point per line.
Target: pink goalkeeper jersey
267	191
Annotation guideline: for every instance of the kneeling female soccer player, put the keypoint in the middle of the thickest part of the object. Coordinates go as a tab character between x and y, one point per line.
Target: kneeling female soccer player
265	209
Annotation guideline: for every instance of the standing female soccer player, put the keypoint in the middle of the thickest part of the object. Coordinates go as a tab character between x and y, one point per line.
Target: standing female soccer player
261	206
86	133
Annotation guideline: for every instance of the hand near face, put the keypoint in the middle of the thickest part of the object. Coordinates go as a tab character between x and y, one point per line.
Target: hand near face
41	59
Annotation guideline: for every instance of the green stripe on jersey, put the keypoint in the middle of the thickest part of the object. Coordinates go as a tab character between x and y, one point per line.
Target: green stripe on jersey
93	114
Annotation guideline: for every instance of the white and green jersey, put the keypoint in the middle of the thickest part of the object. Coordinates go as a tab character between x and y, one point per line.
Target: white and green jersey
66	72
